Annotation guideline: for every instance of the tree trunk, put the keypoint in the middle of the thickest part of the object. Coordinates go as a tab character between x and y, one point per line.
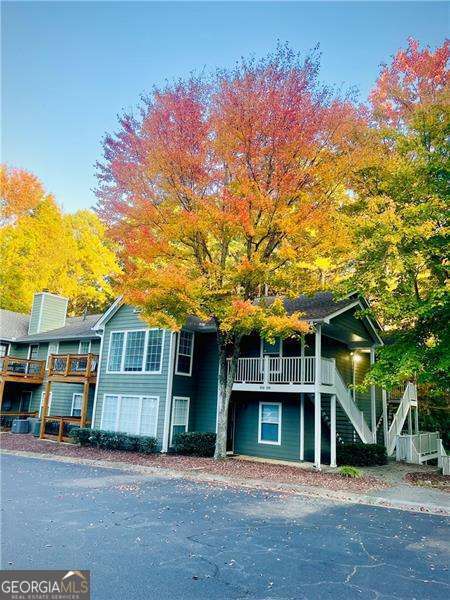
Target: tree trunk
225	388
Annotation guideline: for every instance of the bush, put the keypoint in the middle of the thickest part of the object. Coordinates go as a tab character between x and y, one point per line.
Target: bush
81	435
195	443
361	455
147	445
349	472
113	440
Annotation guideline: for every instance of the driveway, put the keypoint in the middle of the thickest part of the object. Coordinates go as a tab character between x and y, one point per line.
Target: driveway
151	537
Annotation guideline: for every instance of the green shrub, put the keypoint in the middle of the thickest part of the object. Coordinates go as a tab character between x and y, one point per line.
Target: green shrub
147	444
113	440
195	443
347	471
361	455
81	435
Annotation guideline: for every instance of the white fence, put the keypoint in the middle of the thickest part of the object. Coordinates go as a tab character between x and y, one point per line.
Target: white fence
283	370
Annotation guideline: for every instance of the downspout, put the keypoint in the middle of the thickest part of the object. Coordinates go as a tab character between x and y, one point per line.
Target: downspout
97	384
171	369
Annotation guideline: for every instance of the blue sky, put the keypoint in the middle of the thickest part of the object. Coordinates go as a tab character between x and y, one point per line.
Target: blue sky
69	68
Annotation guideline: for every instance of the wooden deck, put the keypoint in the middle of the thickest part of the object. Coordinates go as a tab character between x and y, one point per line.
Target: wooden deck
22	370
73	368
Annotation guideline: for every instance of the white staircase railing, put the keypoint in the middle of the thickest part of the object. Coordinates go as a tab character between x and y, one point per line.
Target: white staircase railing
443	459
417	448
356	416
395	429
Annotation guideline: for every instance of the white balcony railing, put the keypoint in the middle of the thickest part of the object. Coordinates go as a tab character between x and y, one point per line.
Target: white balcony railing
283	370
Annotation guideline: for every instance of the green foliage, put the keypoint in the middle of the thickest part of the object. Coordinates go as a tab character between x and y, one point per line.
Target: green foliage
147	445
347	471
195	443
361	455
114	440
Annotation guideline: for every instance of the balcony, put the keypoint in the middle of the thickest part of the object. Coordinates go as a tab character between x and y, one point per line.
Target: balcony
281	373
73	368
22	369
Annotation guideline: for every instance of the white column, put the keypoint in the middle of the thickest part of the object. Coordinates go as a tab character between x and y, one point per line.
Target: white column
317	398
333	431
410	429
302	426
373	400
416	415
385	417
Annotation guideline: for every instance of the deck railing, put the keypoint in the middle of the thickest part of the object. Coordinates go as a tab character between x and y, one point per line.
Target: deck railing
73	365
59	427
22	368
417	448
283	370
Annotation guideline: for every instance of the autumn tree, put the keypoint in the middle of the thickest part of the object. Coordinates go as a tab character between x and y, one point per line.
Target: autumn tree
45	249
400	213
225	188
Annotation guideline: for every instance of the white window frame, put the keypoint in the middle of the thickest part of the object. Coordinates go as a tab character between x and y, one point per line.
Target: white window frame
73	403
191	355
49	407
280	407
6	345
89	347
119	406
173	410
29	350
48	352
144	361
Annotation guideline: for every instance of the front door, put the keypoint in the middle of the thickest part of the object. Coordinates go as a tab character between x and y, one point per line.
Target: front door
25	400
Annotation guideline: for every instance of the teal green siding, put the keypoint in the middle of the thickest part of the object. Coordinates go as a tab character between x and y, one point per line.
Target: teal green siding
133	384
246	429
48	312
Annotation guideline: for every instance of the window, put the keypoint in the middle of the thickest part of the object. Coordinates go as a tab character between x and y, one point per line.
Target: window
53	348
184	353
136	351
269	429
137	415
4	348
154	350
84	347
77	402
33	351
180	416
42	404
115	351
269	349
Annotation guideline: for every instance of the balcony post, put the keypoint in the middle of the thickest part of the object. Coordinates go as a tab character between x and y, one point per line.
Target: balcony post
416	418
317	397
2	389
266	370
44	408
302	360
373	400
333	431
84	404
410	429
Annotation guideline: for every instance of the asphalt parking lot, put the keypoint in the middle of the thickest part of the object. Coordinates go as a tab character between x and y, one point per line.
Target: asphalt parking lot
150	537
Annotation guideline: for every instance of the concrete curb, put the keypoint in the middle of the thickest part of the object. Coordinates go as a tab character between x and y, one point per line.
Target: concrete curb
257	484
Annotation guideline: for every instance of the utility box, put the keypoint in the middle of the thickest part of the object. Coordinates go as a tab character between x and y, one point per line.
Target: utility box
20	426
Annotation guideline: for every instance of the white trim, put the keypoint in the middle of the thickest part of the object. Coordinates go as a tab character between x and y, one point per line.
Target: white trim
144	356
140	397
8	347
191	355
280	406
89	348
42	403
97	386
169	389
108	314
186	425
73	402
302	427
48	352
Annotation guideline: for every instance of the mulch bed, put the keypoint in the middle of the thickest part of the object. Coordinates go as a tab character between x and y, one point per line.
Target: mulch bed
242	469
431	480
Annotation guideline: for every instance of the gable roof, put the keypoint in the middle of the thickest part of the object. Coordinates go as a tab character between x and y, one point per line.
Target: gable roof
317	307
74	329
13	324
